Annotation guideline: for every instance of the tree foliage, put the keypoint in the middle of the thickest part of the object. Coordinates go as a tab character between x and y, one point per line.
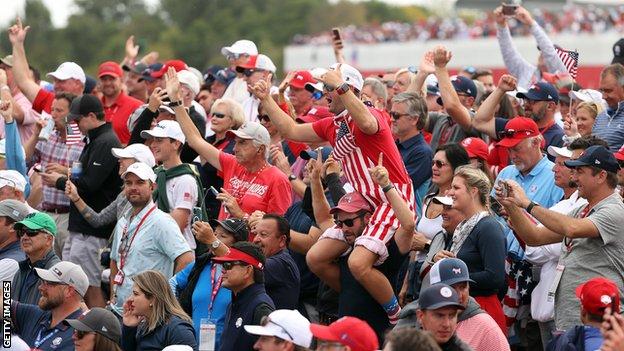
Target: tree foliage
194	30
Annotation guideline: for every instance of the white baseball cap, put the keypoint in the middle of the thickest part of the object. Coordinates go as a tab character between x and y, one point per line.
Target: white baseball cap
178	348
165	129
555	151
67	273
260	62
240	47
287	325
350	75
141	170
444	200
190	80
69	70
252	131
13	179
139	152
316	74
587	95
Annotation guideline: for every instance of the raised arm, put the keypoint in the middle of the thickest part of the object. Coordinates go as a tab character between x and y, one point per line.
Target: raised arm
483	120
425	68
17	35
319	202
287	127
404	233
193	137
515	63
362	117
551	58
452	104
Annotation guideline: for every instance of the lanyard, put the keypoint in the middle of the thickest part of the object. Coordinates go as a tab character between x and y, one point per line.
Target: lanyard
126	248
39	342
216	285
568	242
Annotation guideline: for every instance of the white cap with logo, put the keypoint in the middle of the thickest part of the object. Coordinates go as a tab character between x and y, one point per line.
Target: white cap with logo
141	170
165	129
13	179
252	131
69	70
240	47
67	273
139	152
350	75
287	325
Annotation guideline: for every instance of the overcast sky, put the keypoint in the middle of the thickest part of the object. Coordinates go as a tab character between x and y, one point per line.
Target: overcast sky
61	9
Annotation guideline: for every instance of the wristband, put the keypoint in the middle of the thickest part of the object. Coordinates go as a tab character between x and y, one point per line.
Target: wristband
530	207
387	188
175	103
343	88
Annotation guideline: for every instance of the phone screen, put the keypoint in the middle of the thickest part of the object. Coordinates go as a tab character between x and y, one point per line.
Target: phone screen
336	32
509	10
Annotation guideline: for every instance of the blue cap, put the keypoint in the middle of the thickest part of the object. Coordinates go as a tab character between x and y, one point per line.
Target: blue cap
540	91
462	85
438	296
224	76
89	85
449	271
596	156
147	74
308	154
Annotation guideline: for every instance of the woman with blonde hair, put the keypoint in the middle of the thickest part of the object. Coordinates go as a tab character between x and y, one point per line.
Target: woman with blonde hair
153	318
479	240
586	113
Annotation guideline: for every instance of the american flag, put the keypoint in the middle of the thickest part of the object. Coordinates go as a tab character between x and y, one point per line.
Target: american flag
344	141
73	134
569	59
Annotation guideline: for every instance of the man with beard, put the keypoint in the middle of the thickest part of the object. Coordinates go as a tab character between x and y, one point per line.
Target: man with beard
62	289
145	237
117	104
540	104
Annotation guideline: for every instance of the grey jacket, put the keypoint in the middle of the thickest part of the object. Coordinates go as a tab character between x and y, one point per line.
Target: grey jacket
26	283
525	72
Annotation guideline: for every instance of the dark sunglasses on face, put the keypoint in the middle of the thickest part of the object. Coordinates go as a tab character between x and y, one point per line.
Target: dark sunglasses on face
395	115
25	231
229	265
248	72
349	222
439	163
218	115
510	133
81	334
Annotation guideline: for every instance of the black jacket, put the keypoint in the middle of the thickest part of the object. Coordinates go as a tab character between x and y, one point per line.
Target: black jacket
99	183
25	288
175	332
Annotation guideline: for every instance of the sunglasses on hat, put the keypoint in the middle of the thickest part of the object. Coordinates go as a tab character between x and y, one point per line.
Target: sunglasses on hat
266	320
510	133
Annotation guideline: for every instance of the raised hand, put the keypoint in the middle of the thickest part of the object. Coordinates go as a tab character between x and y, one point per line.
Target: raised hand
230	202
203	232
332	78
379	173
279	159
130	319
315	166
515	194
132	51
441	56
570	127
172	85
155	100
286	82
17	32
507	83
261	90
426	63
500	19
330	166
524	16
6	105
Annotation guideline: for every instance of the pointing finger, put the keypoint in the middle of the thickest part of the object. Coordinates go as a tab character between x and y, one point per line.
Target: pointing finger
380	162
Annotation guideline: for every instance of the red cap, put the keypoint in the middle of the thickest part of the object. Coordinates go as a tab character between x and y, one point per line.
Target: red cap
110	68
598	293
349	331
238	255
475	147
352	203
251	62
316	113
178	65
619	154
301	78
518	129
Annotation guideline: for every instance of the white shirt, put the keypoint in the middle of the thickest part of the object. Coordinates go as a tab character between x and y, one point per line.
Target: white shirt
547	256
237	90
182	193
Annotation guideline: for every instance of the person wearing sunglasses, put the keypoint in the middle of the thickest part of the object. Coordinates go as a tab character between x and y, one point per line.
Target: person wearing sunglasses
243	274
282	330
97	330
153	318
236	55
36	233
41	326
257	68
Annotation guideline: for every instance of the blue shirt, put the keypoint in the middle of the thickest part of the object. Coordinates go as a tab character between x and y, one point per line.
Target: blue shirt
539	186
13	251
417	157
202	295
593	338
609	125
33	326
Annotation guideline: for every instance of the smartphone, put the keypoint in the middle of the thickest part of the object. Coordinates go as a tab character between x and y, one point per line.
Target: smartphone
509	9
496	206
197	215
213	191
336	32
37	168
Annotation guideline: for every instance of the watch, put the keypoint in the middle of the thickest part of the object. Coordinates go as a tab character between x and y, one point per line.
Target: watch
530	207
343	88
215	244
387	188
292	177
175	103
427	246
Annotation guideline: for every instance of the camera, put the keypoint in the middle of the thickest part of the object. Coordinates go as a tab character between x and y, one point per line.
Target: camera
197	215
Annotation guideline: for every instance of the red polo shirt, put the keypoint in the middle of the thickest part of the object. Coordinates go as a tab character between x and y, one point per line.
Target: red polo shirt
119	112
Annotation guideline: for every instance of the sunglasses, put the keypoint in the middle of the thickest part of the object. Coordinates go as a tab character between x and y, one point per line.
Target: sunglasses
349	222
510	133
266	320
233	56
439	163
395	115
48	283
229	265
264	118
248	72
81	334
218	115
29	232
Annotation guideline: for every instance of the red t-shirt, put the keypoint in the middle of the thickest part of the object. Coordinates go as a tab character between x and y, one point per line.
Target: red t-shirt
118	113
356	165
43	101
268	190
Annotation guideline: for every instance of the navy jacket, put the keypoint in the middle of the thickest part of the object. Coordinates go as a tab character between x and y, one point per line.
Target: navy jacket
247	308
282	280
176	332
25	287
